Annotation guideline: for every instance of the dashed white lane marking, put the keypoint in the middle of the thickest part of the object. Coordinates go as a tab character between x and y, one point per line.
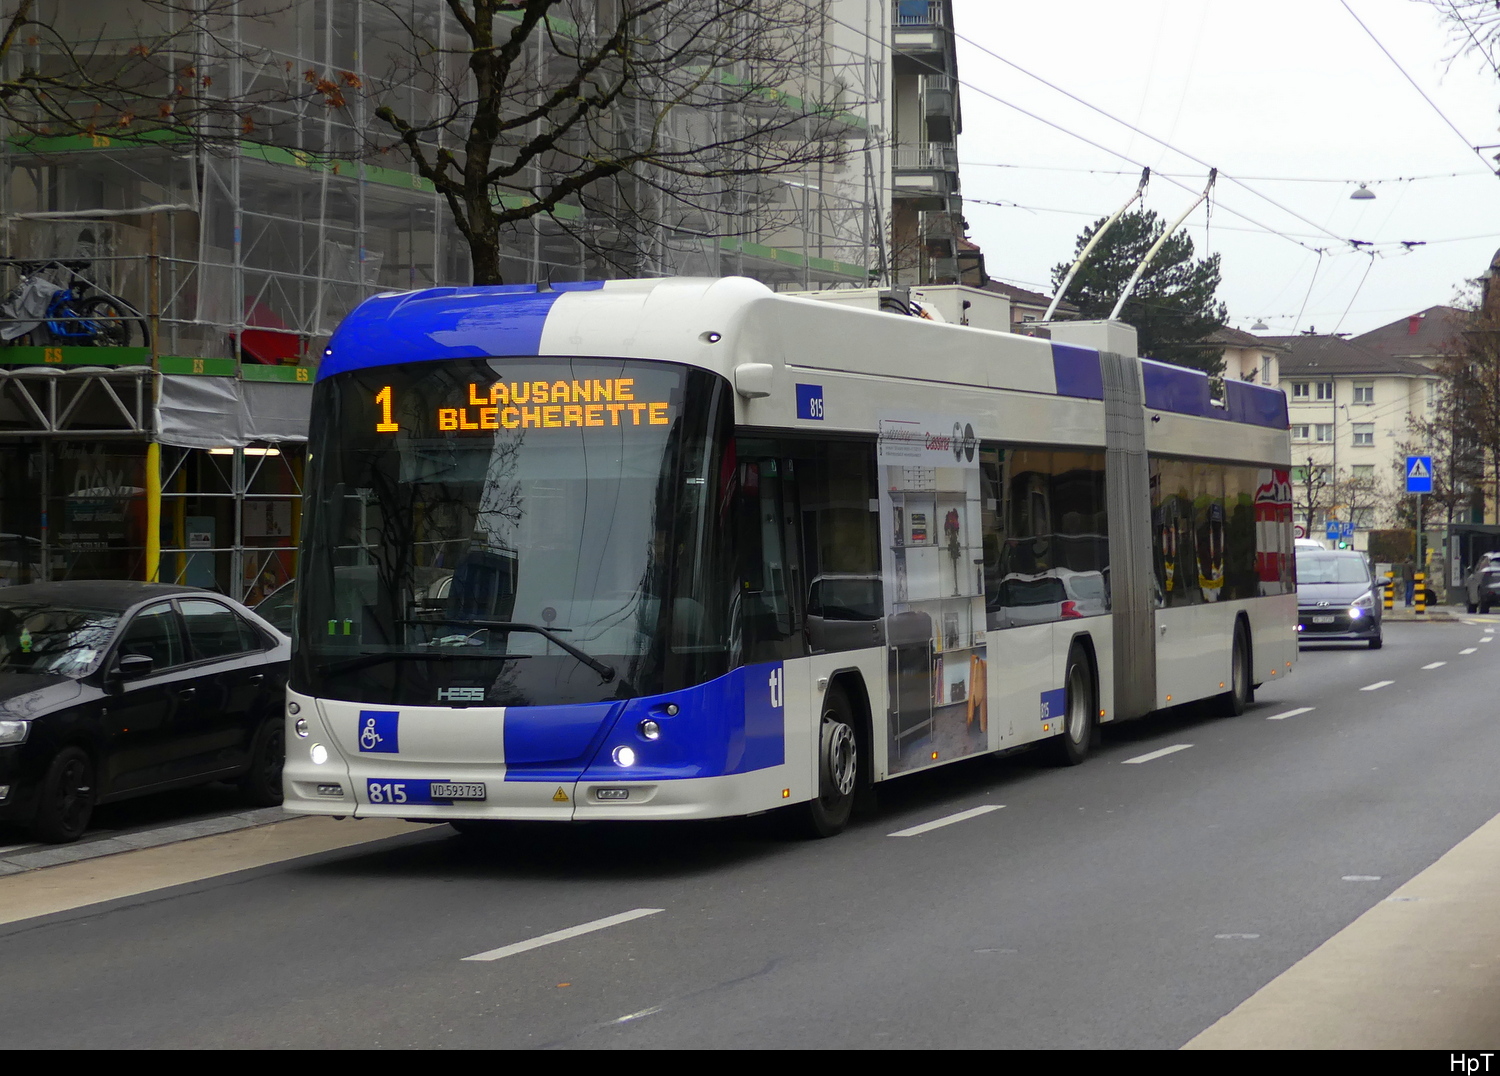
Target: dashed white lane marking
1361	878
1157	754
1435	665
1469	651
1487	639
564	935
1377	685
1291	713
638	1015
1245	937
946	820
1488	631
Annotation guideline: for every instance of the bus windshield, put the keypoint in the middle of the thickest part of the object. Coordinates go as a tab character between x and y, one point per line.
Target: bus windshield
514	532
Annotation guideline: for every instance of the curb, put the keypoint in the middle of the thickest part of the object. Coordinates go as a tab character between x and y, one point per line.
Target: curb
55	855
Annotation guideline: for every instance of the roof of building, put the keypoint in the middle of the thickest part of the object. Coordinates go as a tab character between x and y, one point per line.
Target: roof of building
1425	335
1311	354
1022	297
1231	337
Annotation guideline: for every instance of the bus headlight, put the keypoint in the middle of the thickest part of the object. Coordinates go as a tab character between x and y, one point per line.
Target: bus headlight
319	754
624	756
649	729
300	725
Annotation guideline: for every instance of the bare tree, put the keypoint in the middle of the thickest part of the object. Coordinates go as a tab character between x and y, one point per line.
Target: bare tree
133	68
610	118
1317	491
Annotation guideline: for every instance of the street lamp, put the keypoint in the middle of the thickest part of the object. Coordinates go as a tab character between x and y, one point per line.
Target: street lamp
1364	194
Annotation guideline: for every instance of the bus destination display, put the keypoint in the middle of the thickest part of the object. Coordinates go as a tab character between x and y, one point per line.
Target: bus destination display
595	402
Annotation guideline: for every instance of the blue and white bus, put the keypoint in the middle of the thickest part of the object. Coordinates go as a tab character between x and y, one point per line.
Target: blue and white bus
685	549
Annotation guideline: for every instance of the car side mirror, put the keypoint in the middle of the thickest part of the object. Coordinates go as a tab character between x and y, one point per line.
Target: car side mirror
133	667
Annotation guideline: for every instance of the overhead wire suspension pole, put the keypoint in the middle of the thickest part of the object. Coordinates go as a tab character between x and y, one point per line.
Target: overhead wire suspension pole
1213	174
1093	242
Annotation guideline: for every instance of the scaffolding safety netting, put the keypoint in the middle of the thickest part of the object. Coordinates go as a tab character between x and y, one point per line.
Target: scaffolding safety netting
223	412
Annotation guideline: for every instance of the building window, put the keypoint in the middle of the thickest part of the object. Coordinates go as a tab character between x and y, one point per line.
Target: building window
1362	518
1362	471
1299	433
1265	370
1364	392
1324	432
1364	434
1299	475
1299	390
1431	393
1325	390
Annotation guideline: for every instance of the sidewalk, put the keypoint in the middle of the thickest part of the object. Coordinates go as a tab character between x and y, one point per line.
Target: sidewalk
1444	613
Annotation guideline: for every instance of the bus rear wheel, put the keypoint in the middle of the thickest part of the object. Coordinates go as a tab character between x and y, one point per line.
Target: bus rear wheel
1080	712
828	812
1233	702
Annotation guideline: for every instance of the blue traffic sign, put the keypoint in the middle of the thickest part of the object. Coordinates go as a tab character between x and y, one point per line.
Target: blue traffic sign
1418	474
1335	529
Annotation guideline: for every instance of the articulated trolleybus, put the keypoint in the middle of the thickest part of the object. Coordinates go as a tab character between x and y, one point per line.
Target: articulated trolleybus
685	549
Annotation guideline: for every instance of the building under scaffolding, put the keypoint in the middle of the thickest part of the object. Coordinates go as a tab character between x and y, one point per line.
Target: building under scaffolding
153	417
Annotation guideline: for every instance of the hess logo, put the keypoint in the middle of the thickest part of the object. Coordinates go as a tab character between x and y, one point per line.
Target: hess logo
460	694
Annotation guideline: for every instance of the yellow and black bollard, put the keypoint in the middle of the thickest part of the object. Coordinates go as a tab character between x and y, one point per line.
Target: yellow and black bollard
1419	595
1390	591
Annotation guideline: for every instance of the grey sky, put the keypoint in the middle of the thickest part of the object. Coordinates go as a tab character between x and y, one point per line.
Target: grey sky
1270	89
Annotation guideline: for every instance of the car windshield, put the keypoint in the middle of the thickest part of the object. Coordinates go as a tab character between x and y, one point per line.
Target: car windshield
1328	567
37	638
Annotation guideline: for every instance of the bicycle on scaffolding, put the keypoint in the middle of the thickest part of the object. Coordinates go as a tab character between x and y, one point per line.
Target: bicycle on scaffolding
56	305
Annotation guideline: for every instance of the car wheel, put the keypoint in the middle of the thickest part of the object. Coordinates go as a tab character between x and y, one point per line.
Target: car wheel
1484	606
1233	702
1080	712
1376	643
261	784
827	813
67	797
1472	607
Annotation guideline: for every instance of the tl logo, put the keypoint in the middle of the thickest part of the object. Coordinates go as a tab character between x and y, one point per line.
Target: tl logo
777	684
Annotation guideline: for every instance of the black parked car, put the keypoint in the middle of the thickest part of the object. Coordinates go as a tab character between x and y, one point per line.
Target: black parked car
112	689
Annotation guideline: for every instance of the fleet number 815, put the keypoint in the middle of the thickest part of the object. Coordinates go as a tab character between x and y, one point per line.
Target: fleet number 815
388	792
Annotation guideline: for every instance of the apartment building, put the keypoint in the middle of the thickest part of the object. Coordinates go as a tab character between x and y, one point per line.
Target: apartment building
927	223
1349	408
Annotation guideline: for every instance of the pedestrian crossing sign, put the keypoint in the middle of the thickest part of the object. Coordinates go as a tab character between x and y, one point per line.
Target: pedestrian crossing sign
1418	474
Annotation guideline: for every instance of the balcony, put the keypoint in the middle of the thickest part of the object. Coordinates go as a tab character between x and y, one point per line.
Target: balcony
926	167
939	107
921	31
919	13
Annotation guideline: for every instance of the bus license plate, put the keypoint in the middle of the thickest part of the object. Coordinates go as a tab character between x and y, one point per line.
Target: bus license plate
432	792
1322	620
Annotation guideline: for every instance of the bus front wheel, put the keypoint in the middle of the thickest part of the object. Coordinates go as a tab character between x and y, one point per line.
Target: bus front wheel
838	768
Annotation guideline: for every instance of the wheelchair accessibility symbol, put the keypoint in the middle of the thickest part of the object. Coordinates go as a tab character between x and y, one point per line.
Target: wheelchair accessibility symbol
378	731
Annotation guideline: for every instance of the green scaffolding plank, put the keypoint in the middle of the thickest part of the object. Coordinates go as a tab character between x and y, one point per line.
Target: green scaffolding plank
75	356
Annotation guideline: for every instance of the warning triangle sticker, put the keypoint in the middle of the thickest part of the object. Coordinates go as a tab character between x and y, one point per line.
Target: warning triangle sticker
1418	468
559	796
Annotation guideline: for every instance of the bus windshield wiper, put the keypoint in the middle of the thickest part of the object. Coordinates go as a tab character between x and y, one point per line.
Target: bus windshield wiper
363	660
606	672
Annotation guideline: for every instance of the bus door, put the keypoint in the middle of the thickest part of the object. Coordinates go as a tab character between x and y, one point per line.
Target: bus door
772	581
